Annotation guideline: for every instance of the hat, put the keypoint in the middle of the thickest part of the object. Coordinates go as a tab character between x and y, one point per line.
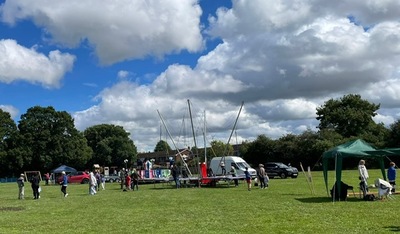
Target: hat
261	165
22	174
63	172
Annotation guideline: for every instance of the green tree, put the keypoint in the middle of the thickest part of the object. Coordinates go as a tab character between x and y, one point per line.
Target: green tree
49	138
8	130
393	139
376	134
162	146
111	145
258	151
219	148
348	116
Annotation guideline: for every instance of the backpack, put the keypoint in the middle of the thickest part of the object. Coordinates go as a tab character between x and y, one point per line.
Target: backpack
369	197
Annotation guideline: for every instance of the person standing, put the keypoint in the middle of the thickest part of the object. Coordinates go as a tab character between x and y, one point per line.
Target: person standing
363	177
103	181
21	186
92	184
222	165
175	175
233	173
248	178
261	176
64	184
391	174
135	180
47	178
122	177
35	183
98	179
128	181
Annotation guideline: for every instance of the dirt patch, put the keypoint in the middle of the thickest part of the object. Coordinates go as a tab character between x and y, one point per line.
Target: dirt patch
11	208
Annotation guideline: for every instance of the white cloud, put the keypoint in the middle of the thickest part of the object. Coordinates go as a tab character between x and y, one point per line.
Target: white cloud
13	111
117	30
282	58
20	63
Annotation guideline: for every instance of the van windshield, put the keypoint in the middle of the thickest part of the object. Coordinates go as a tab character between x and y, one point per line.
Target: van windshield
242	165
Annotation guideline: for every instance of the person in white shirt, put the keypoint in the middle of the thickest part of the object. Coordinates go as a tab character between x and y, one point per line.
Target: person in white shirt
363	172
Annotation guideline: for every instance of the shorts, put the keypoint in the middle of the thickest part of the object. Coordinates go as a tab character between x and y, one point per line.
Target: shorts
248	181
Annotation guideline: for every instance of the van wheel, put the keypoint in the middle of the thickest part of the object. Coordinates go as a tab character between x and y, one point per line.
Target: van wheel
283	175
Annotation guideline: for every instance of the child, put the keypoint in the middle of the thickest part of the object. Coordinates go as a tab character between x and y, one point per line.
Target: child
21	188
391	174
248	179
128	182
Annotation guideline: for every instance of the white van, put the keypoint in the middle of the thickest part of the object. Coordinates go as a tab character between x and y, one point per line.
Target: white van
230	161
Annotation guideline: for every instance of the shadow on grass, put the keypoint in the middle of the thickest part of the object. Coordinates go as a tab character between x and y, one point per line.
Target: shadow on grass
393	228
326	200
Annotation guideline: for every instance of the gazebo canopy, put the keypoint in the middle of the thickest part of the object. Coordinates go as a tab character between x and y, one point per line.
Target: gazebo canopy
63	168
356	149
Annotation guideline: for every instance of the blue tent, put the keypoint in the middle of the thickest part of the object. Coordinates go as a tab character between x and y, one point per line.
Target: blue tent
63	168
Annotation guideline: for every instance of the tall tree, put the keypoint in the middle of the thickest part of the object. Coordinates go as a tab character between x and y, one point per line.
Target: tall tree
49	138
111	145
162	146
8	131
348	116
393	139
260	150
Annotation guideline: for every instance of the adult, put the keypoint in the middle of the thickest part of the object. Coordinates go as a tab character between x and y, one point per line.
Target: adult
222	165
98	180
248	178
175	175
135	179
35	184
363	172
92	184
47	178
234	174
391	174
21	186
261	175
122	177
64	184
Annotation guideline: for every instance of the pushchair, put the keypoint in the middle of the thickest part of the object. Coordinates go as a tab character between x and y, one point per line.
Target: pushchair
384	189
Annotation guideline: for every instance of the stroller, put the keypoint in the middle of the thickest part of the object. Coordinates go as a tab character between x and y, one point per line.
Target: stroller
384	189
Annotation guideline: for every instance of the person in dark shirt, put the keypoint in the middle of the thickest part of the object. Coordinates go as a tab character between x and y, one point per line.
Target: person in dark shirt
248	178
35	180
175	175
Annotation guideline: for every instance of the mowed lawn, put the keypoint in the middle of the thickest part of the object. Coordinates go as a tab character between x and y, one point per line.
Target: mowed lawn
287	206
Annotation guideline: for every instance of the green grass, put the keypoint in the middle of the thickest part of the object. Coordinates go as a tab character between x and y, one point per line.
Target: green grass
286	207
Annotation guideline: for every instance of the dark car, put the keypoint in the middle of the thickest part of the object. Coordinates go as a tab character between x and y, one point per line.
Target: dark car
278	169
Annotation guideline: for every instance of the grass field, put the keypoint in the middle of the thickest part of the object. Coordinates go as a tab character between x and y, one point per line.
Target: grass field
287	206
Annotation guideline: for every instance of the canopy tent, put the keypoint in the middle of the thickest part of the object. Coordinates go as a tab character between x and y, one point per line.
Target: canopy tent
63	168
356	149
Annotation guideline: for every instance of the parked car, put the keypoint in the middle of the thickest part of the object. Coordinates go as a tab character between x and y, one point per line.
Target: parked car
112	178
278	169
79	177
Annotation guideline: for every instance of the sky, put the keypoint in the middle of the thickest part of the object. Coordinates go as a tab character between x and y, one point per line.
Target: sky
141	64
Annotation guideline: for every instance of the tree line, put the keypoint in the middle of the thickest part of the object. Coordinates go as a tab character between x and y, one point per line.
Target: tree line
45	138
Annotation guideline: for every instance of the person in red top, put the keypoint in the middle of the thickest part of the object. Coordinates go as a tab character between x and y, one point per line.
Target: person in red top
128	181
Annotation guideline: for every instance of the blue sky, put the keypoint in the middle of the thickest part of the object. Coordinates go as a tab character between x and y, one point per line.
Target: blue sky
121	62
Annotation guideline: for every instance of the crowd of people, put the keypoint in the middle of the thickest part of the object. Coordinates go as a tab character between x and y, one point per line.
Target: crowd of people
130	179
